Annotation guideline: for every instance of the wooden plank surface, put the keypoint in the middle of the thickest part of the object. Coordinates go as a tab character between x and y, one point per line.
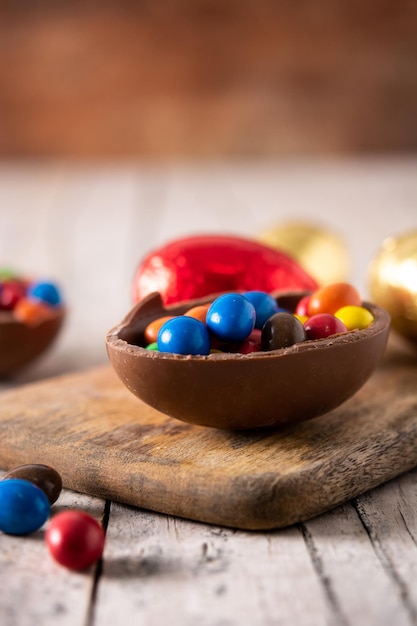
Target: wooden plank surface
353	566
107	443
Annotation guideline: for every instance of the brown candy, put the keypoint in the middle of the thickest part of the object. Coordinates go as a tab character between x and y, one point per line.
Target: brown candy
281	331
43	476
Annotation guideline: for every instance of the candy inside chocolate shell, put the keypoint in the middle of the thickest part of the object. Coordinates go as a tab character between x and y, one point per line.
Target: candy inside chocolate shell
245	391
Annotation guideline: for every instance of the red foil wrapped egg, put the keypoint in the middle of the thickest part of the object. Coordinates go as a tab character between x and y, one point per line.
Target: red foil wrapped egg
194	267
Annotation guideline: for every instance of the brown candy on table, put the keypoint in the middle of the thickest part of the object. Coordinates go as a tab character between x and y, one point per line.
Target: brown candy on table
43	476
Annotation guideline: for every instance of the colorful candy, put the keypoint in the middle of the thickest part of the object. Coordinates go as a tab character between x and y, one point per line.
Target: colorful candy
24	507
43	476
265	306
75	539
31	312
254	321
332	297
231	317
152	329
184	335
199	312
45	292
281	331
30	302
323	325
302	307
355	317
11	291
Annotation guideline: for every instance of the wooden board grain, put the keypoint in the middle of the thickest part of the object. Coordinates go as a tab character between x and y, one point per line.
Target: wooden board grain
105	442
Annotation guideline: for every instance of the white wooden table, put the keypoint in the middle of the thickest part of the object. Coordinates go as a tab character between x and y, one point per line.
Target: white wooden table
87	227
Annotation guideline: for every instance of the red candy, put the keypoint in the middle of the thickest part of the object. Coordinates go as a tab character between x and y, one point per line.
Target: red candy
10	293
323	325
302	307
75	539
195	267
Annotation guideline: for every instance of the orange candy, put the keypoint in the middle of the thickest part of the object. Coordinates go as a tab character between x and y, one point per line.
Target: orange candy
199	312
32	312
152	329
331	298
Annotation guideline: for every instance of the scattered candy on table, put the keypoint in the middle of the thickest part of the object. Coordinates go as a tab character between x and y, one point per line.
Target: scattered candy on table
253	321
43	476
74	538
24	507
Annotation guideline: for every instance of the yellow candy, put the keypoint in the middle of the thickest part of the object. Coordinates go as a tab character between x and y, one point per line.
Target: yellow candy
355	317
301	318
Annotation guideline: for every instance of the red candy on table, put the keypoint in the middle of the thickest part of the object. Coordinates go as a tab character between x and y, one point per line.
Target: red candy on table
75	539
194	267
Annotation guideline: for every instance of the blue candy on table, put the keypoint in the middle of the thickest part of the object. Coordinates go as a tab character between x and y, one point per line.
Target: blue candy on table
24	507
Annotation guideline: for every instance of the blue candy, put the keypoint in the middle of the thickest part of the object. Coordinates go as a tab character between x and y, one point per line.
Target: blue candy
184	335
231	317
24	507
46	292
265	306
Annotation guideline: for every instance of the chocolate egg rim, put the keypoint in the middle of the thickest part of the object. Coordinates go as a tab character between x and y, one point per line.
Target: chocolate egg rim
151	307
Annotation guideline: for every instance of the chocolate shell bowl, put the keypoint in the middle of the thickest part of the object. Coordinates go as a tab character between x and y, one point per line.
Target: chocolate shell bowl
21	343
245	391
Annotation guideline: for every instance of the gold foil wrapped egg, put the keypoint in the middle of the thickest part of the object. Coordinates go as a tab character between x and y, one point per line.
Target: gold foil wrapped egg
320	252
393	282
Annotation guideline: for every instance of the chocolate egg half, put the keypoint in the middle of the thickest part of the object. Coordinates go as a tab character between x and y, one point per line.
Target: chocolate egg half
21	343
245	391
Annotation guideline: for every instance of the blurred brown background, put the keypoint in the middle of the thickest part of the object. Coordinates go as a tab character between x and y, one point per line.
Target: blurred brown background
200	78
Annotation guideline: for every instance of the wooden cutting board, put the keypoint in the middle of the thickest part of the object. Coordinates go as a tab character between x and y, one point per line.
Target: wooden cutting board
107	443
